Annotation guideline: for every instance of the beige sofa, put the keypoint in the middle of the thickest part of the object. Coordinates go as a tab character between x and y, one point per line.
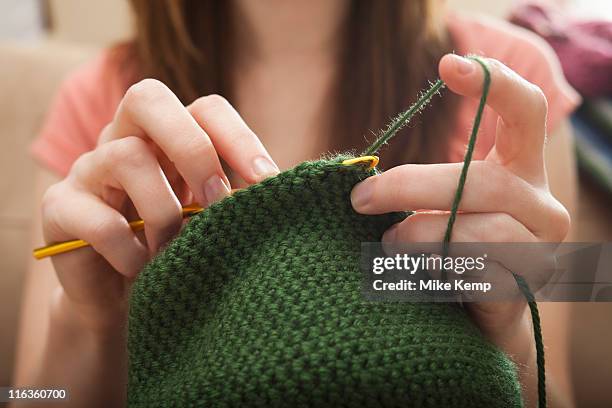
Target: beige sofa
29	77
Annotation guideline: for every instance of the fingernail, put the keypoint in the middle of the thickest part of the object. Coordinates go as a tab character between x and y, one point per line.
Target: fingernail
215	189
390	235
361	194
264	167
464	65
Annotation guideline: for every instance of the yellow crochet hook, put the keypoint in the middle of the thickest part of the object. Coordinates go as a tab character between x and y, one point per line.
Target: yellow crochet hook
61	247
138	225
371	160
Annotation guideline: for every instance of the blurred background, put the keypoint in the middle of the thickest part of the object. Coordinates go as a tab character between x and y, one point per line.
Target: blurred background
41	40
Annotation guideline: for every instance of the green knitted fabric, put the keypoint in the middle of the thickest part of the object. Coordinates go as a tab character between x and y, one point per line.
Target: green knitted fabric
258	302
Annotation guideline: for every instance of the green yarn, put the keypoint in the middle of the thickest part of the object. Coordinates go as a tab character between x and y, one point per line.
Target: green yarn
486	86
404	118
258	303
537	334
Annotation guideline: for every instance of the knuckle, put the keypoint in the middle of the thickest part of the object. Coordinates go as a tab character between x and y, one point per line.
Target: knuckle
241	137
406	230
210	102
51	200
561	222
417	228
54	208
106	230
499	229
130	150
236	131
81	164
145	91
106	133
536	105
539	102
196	148
502	71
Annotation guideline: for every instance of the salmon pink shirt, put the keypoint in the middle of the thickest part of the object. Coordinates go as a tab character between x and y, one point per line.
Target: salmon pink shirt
89	96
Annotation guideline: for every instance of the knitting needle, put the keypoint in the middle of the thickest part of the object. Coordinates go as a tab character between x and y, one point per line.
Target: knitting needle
138	225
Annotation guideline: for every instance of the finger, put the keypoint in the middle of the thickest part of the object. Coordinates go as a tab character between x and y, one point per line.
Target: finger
488	227
150	110
85	216
502	291
489	188
494	236
130	165
233	139
499	320
521	106
180	188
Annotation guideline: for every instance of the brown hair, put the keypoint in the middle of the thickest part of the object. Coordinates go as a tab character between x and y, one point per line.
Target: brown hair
389	53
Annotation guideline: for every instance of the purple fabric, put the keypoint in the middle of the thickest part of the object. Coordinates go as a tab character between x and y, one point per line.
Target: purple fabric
584	48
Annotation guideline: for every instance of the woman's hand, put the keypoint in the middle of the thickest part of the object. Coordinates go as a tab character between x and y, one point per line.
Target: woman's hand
155	156
506	197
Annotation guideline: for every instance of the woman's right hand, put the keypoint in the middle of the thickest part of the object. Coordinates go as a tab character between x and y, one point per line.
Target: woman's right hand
155	156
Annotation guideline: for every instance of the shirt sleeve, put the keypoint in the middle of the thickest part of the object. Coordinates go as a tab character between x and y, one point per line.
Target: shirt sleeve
82	106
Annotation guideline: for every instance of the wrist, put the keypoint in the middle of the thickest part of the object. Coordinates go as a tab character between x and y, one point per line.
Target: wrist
89	360
518	344
86	321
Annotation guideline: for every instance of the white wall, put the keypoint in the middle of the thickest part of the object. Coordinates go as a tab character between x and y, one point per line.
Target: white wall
91	22
102	22
497	8
20	20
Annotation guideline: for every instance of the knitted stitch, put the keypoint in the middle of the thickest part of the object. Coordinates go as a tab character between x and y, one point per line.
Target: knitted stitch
258	303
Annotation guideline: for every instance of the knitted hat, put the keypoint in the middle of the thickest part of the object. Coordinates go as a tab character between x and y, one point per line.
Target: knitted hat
258	302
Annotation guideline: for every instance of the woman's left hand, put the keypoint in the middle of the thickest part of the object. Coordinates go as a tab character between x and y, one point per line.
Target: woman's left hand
506	196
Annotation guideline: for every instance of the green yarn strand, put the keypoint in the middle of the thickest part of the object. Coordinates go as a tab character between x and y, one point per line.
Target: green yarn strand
486	85
404	118
537	333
